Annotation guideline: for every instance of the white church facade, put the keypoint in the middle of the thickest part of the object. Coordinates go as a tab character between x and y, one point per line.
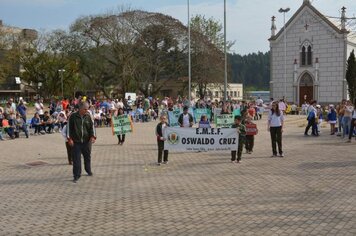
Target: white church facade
314	67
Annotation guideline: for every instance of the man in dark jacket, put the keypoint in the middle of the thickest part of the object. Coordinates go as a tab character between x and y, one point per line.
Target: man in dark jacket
81	135
186	119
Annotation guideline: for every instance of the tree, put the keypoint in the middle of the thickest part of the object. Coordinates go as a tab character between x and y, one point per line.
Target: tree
207	53
351	75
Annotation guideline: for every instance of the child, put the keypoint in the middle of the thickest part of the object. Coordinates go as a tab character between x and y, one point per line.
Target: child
120	137
251	131
160	140
204	123
332	119
241	130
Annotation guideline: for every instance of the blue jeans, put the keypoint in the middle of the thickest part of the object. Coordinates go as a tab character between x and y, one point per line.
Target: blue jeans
346	122
340	123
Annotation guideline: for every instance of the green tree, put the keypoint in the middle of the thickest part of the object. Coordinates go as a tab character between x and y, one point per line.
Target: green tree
351	75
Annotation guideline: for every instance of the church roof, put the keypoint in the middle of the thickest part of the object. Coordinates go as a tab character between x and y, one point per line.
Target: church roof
318	13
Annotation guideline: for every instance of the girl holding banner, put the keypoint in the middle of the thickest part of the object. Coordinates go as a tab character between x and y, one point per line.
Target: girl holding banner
160	140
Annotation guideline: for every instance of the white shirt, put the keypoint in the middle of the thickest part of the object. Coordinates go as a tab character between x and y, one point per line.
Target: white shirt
282	106
186	122
39	108
274	120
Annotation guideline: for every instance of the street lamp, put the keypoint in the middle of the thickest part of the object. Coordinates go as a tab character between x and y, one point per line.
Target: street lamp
284	11
61	71
225	70
189	57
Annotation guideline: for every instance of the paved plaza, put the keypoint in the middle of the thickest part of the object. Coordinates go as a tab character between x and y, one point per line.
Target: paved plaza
312	191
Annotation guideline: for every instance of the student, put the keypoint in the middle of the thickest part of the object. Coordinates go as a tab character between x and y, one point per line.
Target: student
36	123
120	137
204	123
251	131
241	130
332	119
275	127
312	115
160	140
185	119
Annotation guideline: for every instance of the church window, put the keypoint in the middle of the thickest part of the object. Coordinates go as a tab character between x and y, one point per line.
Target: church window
309	56
306	55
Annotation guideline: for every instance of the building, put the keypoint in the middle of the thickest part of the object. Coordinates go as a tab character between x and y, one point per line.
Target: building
253	95
317	49
216	91
12	86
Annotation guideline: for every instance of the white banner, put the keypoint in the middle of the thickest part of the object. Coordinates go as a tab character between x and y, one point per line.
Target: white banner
200	139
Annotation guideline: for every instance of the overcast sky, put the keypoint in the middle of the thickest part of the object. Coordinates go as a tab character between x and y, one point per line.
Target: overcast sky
248	21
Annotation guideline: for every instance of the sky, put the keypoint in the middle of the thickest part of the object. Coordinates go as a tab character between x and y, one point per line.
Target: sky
248	21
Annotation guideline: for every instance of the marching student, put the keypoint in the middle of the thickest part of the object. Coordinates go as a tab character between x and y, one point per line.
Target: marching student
275	127
160	140
186	119
120	137
251	131
332	118
241	130
204	123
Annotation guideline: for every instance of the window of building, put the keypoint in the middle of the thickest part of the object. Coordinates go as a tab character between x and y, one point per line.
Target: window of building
306	55
235	94
238	93
231	93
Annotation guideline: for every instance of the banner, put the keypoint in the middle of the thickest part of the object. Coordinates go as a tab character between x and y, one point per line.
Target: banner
226	120
173	117
217	111
201	111
121	124
251	129
200	139
237	112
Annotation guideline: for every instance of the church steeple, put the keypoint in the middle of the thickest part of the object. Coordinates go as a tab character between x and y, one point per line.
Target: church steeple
273	27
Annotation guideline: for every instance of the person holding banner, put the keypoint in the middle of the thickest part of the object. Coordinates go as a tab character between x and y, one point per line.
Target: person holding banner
120	137
275	127
204	123
251	131
241	130
186	119
160	140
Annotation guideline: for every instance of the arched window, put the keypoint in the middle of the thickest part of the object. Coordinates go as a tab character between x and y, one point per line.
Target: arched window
306	55
310	54
303	56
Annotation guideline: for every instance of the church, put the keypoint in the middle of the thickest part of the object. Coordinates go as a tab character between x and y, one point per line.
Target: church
311	63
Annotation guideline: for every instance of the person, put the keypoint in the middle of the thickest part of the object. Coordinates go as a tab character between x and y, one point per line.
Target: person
81	135
48	123
340	111
36	123
282	106
346	121
332	118
241	130
204	123
275	127
312	115
160	140
185	119
352	123
22	110
39	108
20	124
251	131
120	137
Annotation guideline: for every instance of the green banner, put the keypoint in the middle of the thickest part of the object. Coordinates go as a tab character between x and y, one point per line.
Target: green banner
226	120
121	124
237	112
173	117
202	111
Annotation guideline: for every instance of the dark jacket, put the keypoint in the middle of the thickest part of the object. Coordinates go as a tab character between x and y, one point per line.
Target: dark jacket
180	119
159	131
80	129
242	129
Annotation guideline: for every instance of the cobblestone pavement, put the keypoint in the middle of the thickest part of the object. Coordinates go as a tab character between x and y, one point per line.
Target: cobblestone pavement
312	191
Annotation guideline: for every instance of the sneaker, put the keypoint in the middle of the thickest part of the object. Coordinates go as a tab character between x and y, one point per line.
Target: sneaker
274	155
281	155
158	163
90	174
165	162
233	162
